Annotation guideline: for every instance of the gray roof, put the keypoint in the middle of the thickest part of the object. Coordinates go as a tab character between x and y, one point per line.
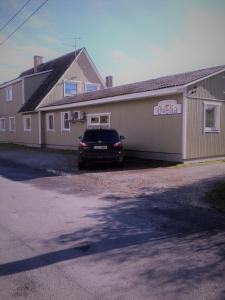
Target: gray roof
143	86
57	66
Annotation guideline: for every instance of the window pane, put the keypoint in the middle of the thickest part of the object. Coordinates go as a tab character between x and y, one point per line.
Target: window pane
27	123
8	93
66	121
90	87
104	119
70	88
2	124
50	122
210	117
101	135
12	124
94	120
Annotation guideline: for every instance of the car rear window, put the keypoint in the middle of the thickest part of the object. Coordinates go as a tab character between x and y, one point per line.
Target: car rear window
110	136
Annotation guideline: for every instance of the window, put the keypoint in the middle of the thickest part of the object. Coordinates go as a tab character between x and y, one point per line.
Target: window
70	87
50	122
12	124
27	123
2	124
65	121
211	117
101	119
8	93
91	87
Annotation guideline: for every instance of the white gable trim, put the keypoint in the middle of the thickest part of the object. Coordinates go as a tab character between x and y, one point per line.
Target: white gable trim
75	59
94	67
37	73
10	82
203	78
127	97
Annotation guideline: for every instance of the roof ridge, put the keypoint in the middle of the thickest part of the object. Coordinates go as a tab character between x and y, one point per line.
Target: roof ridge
170	75
52	61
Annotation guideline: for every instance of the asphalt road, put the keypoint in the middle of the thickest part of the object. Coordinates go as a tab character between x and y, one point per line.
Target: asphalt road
58	243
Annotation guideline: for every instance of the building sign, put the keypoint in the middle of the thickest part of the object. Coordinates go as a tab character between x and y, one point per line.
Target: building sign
167	107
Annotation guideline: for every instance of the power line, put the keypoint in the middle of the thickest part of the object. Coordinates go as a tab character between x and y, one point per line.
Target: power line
12	33
13	17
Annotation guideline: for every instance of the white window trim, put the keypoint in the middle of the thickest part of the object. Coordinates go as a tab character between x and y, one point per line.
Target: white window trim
73	81
3	129
217	127
62	121
24	123
86	83
10	124
47	122
98	115
11	93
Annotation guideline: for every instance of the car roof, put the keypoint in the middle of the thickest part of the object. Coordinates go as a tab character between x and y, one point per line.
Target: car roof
99	129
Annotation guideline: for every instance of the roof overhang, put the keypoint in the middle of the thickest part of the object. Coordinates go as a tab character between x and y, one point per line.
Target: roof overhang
203	78
121	98
10	82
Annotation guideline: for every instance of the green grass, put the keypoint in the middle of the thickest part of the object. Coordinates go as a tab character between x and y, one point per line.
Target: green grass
216	196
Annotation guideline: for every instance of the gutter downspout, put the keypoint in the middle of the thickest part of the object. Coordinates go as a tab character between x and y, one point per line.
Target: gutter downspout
39	130
184	125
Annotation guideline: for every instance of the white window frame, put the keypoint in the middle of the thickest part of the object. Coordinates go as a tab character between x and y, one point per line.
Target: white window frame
47	121
98	115
64	87
24	123
8	93
10	124
3	128
62	121
217	105
93	83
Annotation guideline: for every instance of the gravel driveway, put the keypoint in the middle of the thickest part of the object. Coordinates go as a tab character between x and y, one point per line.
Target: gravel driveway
138	179
142	232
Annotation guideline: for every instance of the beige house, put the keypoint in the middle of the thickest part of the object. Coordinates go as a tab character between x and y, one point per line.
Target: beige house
20	119
176	118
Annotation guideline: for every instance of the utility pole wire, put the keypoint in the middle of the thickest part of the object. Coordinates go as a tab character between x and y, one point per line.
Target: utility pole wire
13	17
12	33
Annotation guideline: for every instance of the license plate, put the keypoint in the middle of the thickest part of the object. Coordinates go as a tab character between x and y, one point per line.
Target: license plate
100	147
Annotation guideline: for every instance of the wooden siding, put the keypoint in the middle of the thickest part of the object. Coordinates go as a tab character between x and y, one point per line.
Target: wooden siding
151	136
88	70
79	71
200	144
212	88
11	107
20	136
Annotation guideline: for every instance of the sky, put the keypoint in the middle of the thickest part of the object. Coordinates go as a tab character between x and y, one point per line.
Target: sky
132	40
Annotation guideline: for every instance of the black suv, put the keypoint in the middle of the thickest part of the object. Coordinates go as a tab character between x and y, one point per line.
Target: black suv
100	145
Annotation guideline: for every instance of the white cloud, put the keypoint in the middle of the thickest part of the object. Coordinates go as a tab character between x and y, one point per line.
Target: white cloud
17	56
201	45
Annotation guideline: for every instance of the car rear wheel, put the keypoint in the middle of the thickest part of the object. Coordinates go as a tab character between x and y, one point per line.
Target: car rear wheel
120	164
81	165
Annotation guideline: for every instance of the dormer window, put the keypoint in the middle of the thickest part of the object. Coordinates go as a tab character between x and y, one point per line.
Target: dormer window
8	93
91	87
70	87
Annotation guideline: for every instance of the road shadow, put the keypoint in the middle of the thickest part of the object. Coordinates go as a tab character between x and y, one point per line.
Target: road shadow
19	172
153	227
130	164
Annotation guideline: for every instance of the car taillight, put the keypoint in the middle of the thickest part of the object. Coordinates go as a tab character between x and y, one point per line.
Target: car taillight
82	145
118	145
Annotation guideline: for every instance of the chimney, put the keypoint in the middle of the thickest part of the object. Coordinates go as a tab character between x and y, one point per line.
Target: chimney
109	81
38	60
